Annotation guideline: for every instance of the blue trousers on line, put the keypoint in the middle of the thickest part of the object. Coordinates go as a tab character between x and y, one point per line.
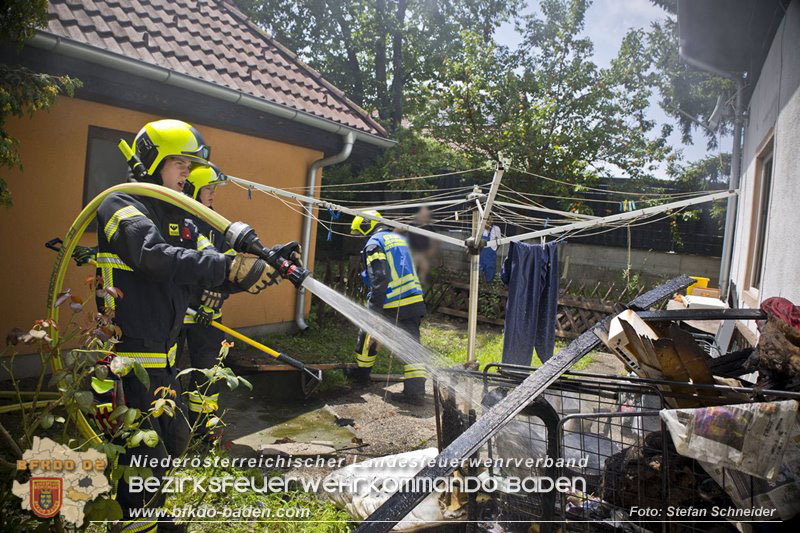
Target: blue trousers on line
531	274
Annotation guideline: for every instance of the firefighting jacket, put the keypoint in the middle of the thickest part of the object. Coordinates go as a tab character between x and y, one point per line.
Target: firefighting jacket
210	239
147	249
389	274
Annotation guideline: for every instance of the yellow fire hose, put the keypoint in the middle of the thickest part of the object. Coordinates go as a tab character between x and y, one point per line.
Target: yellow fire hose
74	234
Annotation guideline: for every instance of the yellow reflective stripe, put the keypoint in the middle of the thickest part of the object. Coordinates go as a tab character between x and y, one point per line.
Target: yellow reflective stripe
104	259
203	243
121	214
407	287
413	375
203	404
108	281
375	257
152	359
405	301
230	251
140	526
390	259
415	366
400	281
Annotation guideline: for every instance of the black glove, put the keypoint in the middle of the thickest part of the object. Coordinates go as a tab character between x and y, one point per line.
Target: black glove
291	251
204	316
83	255
213	299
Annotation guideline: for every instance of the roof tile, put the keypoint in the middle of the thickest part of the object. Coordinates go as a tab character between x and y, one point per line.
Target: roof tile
208	40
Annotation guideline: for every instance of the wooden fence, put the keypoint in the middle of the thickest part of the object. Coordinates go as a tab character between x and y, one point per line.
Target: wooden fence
580	304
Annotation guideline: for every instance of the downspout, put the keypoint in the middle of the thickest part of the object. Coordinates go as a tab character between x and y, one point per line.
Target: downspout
733	201
311	181
736	166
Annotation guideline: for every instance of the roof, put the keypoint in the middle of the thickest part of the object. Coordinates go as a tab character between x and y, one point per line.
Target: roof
729	35
209	40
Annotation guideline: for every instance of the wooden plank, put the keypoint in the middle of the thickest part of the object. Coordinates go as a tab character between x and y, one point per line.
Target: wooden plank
469	442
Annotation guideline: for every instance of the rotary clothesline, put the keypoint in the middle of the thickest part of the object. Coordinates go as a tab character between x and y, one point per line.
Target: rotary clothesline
588	223
480	217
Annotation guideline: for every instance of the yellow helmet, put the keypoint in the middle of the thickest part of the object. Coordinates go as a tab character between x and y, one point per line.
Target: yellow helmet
363	226
163	138
203	176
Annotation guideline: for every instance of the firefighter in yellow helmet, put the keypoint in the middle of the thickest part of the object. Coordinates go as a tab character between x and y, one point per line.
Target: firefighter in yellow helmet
148	251
395	292
202	341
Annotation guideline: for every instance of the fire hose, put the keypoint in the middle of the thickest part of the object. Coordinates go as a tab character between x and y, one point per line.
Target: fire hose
238	235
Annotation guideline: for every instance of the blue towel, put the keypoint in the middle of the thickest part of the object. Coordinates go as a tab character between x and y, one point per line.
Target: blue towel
531	274
488	263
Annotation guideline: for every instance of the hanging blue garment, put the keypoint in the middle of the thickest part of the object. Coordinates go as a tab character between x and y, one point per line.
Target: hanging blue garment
488	260
531	274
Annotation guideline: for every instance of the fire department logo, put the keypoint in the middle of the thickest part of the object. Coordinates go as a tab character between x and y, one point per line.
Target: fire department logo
46	496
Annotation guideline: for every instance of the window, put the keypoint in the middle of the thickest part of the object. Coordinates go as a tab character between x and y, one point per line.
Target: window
105	164
761	200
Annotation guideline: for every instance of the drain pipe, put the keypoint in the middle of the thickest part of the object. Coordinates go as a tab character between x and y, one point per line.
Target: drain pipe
311	182
733	201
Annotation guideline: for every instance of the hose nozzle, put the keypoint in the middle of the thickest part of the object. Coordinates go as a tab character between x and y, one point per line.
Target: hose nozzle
243	238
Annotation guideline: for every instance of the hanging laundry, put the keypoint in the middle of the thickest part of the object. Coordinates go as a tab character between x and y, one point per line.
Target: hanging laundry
488	256
531	274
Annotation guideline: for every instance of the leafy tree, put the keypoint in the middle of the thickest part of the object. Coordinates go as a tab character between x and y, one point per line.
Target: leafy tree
685	91
547	107
380	53
21	90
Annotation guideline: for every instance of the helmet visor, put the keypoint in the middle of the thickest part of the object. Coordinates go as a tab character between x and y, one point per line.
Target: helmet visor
203	152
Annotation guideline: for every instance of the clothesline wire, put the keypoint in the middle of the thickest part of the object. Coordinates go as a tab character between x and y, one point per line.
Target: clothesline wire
576	199
606	191
580	233
396	180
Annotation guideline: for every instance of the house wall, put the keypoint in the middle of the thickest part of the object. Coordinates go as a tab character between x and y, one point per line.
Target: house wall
48	195
774	110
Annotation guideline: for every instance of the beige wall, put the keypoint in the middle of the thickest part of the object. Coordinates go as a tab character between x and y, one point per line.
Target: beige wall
48	195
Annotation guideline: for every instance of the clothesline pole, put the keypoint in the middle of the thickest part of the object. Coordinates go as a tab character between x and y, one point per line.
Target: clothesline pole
474	280
620	217
487	209
355	212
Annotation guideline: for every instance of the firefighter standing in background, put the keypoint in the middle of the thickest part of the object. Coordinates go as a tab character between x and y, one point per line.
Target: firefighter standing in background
148	250
202	340
395	292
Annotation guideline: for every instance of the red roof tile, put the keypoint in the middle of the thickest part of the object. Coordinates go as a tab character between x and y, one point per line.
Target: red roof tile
208	40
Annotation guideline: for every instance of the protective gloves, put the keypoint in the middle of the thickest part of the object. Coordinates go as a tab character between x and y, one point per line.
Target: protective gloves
249	273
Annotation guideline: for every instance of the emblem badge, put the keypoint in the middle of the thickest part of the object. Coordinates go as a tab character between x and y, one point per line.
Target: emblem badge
46	496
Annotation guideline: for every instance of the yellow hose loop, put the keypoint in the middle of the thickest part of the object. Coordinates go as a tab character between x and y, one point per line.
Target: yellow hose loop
74	234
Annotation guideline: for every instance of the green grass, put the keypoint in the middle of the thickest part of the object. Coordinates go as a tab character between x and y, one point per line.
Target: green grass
323	517
335	342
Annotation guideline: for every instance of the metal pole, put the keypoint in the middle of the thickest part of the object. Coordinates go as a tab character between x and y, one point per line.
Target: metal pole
487	210
733	184
474	280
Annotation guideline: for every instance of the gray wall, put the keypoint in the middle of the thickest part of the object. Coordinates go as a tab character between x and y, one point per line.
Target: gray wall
601	263
774	108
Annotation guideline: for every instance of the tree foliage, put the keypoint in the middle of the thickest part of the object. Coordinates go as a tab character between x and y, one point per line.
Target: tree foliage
686	91
379	52
548	108
23	92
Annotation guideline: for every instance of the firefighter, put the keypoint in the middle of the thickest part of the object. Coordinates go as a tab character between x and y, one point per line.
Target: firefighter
395	292
147	249
203	341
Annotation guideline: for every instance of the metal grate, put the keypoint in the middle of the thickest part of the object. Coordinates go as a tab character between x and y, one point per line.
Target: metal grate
610	423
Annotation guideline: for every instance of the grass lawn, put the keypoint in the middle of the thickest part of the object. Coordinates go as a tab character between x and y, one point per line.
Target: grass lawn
334	342
321	516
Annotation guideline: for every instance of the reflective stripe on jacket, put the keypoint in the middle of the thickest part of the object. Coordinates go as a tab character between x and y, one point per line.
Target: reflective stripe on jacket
404	287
